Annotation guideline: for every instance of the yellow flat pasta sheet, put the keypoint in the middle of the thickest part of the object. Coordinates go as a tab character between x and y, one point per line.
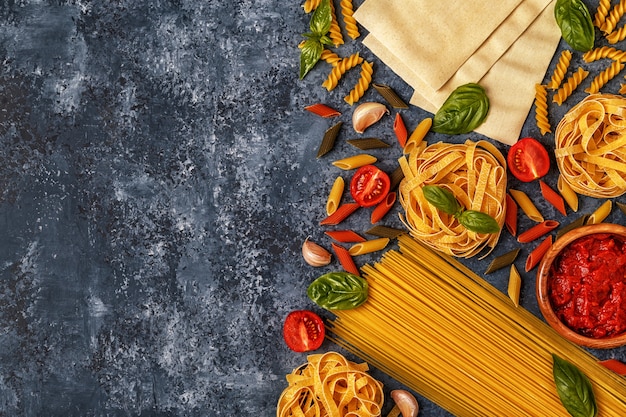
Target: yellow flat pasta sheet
435	37
509	82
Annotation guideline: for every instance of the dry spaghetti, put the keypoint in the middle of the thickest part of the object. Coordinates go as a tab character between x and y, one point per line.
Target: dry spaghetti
329	385
442	330
590	146
475	172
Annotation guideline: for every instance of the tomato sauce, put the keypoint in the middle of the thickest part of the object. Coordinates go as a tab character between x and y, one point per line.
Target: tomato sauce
587	288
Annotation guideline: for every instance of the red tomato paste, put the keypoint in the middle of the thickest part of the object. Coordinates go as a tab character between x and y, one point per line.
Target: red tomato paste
587	288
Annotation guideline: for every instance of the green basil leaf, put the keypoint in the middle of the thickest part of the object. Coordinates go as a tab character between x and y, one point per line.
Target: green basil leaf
442	199
478	222
463	111
309	55
576	25
574	389
321	19
338	291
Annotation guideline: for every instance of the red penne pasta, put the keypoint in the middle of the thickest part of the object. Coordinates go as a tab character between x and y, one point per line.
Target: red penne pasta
510	217
322	110
553	197
345	259
614	365
345	236
536	255
383	207
399	128
342	212
537	231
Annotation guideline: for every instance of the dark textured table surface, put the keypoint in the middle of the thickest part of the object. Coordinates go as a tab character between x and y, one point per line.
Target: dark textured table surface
157	179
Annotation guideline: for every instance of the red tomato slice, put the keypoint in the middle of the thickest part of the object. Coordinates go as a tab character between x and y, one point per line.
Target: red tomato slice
528	160
303	331
369	186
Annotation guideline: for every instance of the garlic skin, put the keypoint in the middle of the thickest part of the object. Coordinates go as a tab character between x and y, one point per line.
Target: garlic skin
406	402
366	114
314	254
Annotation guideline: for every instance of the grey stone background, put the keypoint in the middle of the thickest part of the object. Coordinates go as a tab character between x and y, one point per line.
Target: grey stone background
157	179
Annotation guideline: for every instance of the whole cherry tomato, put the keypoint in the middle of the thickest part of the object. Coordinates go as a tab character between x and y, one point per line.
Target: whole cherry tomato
303	331
369	186
528	160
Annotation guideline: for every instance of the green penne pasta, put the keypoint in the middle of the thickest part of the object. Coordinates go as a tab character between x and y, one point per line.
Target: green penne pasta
368	143
502	261
390	96
328	141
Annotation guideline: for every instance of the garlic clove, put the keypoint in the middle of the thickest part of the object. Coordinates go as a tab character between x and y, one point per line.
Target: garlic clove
406	402
314	254
367	114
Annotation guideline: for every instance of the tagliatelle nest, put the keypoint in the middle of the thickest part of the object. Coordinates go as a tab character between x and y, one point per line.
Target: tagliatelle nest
475	172
590	146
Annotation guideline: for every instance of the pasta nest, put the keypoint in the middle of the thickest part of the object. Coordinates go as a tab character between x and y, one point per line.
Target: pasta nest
590	146
475	172
329	385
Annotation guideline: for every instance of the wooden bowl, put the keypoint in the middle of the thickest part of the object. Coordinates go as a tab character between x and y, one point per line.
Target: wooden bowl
542	286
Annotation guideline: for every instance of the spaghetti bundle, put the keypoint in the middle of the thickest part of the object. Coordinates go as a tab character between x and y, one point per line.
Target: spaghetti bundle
329	385
444	332
475	172
591	146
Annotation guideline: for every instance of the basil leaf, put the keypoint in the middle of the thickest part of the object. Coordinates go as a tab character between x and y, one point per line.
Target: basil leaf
575	22
442	199
338	291
309	55
321	19
574	389
478	222
463	111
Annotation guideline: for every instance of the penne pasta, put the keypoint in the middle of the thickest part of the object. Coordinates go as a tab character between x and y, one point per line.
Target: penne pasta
369	246
368	143
515	284
345	236
399	128
385	231
552	197
355	161
502	261
342	213
527	206
621	206
537	231
390	96
580	221
614	365
383	208
396	177
322	110
568	194
510	218
600	213
345	259
418	135
536	255
334	197
329	139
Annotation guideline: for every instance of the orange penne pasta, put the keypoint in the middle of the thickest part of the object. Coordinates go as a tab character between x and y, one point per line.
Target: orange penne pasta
552	197
345	259
369	246
537	231
536	255
342	212
399	128
383	207
334	196
345	236
614	365
322	110
510	218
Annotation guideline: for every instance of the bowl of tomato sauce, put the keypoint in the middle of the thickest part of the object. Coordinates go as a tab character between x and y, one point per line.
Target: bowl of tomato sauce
581	286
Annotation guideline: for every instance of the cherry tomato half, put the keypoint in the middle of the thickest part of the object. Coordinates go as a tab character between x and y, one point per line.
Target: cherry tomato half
369	186
528	160
303	331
